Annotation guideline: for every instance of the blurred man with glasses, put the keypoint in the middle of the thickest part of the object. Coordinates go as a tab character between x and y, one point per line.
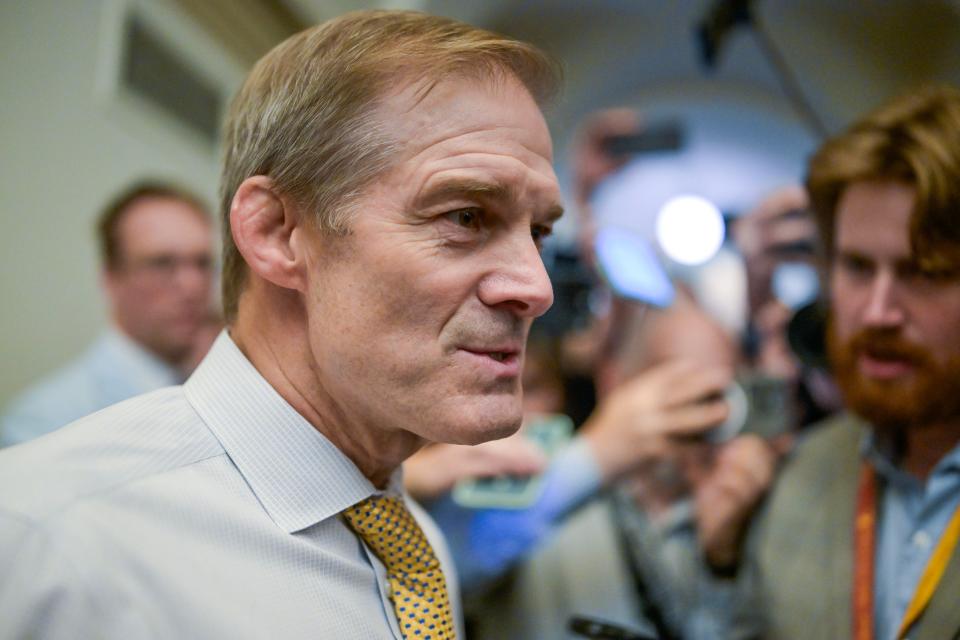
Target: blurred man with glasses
156	250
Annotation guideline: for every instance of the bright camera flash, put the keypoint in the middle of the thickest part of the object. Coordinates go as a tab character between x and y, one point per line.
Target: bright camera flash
690	229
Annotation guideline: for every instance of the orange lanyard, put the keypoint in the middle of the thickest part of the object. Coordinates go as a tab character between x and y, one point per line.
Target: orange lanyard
864	541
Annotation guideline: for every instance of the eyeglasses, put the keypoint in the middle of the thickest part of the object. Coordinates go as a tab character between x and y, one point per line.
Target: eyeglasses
166	266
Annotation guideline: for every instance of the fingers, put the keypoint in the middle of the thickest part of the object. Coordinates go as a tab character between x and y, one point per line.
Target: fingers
783	443
743	471
695	419
690	397
751	450
436	468
515	455
742	487
677	382
725	501
696	384
677	398
428	473
591	160
610	122
790	230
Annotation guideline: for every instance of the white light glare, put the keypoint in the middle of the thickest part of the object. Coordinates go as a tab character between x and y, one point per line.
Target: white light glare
690	229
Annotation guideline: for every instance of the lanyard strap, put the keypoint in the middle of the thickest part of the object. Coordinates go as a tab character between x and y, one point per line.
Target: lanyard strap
865	527
932	574
864	543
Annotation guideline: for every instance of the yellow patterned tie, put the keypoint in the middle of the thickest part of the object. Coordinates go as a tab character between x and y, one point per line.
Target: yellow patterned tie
417	588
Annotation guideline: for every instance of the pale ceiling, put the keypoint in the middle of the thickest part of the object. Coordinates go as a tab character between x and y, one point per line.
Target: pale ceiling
745	135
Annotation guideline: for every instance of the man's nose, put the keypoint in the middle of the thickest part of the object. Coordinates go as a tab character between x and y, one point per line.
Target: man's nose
193	279
883	303
520	282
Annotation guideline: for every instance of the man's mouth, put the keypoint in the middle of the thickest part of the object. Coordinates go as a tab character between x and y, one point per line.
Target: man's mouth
884	364
886	353
504	356
499	356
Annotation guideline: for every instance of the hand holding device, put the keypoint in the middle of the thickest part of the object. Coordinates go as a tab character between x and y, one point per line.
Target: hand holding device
549	433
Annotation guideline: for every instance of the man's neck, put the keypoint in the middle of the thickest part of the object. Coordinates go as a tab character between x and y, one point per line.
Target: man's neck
132	344
173	361
280	351
923	447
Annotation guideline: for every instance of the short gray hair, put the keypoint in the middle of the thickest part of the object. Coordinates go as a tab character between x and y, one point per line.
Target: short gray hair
306	114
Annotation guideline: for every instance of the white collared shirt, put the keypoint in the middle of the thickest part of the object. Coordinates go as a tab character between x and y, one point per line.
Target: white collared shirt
203	511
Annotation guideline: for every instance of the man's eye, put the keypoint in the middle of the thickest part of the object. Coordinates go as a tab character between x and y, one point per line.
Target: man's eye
855	265
204	263
540	232
467	218
162	263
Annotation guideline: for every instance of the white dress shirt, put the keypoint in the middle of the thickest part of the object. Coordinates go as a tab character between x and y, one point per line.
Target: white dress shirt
112	369
203	511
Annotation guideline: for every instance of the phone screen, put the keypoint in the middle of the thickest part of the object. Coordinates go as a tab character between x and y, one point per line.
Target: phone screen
551	432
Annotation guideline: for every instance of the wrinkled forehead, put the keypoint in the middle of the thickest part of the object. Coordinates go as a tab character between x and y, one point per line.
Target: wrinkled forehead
417	111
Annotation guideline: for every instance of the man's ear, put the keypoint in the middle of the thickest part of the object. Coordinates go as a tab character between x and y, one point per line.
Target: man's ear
262	222
109	283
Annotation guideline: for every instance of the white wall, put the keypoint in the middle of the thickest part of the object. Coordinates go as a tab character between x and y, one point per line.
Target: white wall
66	145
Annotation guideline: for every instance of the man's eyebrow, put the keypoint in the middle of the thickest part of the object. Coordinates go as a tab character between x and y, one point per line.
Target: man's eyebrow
554	213
477	188
465	187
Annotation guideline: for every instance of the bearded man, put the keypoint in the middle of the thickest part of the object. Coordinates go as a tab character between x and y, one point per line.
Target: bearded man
859	539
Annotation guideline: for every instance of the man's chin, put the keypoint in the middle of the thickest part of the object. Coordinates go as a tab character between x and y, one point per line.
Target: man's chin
870	398
889	405
494	431
481	423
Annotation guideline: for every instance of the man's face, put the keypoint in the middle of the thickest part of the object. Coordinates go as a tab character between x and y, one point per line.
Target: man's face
160	288
895	332
419	316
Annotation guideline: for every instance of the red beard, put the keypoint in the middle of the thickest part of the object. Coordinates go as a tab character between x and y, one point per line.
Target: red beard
928	395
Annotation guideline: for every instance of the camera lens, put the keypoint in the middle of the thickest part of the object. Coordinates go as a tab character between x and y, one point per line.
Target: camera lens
737	402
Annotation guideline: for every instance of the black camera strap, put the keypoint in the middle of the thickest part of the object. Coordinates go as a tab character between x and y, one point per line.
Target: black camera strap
649	608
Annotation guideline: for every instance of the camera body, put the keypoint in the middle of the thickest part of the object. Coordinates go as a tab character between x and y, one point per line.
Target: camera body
759	404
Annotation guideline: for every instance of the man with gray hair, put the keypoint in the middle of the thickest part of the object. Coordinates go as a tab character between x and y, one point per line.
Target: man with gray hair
387	183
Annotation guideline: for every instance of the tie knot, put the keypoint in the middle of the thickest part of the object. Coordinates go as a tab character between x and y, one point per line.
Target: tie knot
392	533
417	586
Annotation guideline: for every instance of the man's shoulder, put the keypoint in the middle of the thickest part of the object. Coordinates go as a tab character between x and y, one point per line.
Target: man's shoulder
107	450
812	498
801	547
59	397
823	445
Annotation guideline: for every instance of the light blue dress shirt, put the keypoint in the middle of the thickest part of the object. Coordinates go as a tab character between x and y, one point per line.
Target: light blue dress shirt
912	515
112	369
203	511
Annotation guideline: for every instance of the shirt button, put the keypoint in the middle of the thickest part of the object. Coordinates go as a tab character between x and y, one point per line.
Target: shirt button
921	539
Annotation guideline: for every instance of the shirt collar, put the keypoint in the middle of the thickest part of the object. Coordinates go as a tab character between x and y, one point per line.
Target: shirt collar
873	450
297	474
127	355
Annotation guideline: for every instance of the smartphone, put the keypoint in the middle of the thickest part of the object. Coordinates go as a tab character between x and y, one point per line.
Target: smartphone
655	138
551	432
603	630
